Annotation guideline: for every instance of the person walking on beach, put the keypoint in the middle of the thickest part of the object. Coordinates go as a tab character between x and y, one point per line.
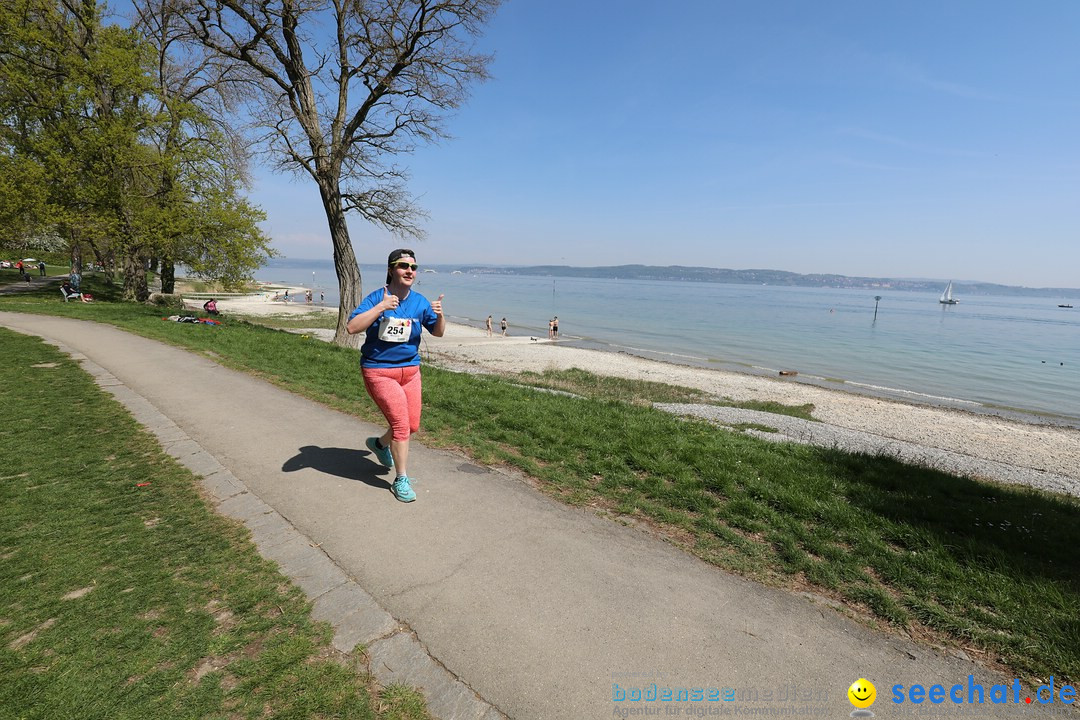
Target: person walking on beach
489	325
392	317
502	325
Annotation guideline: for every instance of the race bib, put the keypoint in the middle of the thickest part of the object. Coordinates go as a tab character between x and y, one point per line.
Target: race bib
395	330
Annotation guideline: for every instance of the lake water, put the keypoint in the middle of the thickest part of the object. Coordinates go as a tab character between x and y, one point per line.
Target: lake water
1020	353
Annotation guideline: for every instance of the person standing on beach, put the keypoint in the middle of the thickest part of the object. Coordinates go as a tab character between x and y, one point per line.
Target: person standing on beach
551	329
502	325
489	325
392	317
555	328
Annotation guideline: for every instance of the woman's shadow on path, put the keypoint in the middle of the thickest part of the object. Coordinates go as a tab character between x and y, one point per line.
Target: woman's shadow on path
348	463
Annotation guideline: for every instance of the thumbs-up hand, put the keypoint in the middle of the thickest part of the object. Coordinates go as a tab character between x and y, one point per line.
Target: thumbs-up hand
389	300
437	306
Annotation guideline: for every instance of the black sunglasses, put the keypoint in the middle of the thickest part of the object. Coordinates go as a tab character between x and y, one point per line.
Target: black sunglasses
405	266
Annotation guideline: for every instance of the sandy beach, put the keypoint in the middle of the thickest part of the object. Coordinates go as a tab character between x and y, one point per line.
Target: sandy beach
1031	446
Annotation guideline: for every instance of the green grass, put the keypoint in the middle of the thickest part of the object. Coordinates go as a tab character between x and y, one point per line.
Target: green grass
799	411
991	569
285	321
599	387
645	392
120	601
754	426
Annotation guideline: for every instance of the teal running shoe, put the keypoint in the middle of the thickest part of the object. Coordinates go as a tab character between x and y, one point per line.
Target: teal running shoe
383	454
402	490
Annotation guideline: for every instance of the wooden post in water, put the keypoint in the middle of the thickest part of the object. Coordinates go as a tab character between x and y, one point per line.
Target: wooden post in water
877	299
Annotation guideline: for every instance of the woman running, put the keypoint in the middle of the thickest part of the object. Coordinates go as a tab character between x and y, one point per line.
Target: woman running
390	360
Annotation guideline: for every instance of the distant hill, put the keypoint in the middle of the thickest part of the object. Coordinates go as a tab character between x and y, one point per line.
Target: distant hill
766	277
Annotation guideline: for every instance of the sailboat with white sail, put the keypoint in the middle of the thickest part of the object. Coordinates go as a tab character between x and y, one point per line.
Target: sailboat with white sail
946	297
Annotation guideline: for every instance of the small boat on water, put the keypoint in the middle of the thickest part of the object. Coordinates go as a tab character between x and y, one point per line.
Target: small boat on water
946	297
1065	306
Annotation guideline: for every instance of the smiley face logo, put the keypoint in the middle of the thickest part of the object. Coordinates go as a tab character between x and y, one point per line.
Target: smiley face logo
862	693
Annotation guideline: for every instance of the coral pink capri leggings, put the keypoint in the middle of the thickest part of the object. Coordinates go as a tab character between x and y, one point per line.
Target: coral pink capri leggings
397	393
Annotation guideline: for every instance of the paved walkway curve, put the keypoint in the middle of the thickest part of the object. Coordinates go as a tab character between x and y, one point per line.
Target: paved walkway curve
491	597
36	283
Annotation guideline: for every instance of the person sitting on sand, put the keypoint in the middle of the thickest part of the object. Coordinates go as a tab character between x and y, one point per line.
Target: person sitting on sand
210	307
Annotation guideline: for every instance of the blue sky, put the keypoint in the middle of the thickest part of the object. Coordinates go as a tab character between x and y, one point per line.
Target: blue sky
903	139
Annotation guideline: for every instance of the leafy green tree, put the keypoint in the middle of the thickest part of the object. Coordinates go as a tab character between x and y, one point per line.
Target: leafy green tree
101	143
206	223
73	100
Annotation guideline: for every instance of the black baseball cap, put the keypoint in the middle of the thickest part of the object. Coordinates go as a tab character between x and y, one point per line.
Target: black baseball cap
398	254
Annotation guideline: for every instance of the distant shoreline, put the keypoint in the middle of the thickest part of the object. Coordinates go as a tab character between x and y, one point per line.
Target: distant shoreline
771	278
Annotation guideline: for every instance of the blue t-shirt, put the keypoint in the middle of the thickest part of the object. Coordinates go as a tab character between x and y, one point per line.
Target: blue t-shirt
377	353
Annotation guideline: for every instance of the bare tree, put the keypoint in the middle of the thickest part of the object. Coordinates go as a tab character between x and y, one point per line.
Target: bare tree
344	87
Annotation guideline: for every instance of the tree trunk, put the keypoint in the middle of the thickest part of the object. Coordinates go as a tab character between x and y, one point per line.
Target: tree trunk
108	264
350	287
105	262
168	276
135	277
76	257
